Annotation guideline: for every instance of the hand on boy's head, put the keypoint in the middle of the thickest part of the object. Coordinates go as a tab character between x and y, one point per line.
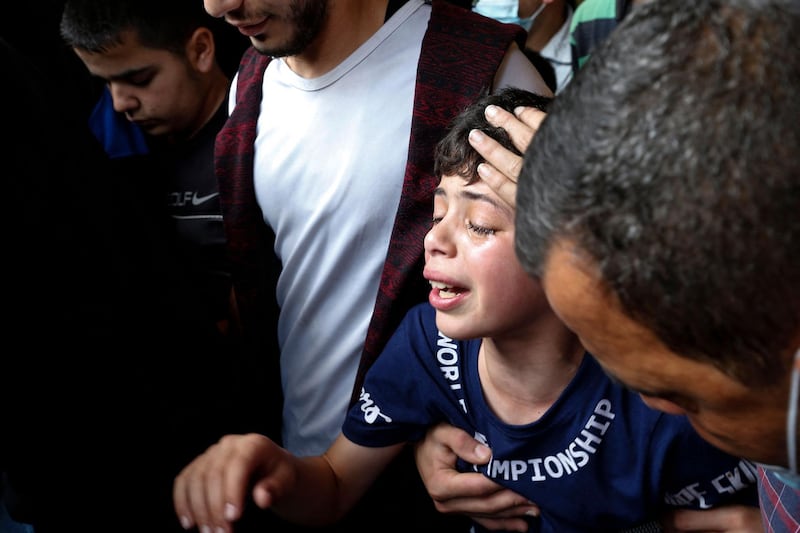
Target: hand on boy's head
503	166
502	184
521	125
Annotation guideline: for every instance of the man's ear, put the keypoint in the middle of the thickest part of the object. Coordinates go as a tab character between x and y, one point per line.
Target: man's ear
201	50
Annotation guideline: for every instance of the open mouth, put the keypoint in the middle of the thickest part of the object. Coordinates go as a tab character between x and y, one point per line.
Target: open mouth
446	291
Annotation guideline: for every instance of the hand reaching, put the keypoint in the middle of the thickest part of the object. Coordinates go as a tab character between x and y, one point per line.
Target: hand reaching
211	490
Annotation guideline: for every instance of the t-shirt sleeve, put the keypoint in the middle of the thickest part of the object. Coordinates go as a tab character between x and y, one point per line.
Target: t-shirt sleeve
393	403
517	70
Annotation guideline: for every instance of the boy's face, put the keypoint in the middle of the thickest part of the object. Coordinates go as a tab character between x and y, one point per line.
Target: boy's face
743	421
479	288
153	88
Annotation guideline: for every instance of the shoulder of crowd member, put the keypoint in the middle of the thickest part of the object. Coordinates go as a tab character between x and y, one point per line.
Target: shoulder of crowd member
592	22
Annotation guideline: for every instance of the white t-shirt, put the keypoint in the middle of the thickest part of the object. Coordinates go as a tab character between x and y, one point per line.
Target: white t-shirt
558	52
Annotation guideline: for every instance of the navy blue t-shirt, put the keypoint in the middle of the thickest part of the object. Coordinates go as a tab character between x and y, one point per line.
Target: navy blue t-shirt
598	460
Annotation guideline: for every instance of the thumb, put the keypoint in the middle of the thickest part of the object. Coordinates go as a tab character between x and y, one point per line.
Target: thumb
462	444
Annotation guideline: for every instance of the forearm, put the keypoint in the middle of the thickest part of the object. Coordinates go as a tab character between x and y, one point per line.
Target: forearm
324	488
312	496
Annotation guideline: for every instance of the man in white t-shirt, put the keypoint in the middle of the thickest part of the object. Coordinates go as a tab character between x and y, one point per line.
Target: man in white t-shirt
337	171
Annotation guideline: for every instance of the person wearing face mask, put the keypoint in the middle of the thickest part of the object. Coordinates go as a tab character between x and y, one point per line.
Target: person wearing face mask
548	25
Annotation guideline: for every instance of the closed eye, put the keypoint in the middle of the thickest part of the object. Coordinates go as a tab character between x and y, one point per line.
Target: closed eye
480	230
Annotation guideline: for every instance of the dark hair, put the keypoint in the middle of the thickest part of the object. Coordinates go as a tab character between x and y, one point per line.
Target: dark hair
96	25
672	161
455	156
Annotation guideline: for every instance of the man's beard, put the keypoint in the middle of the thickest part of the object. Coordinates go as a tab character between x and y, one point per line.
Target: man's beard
306	19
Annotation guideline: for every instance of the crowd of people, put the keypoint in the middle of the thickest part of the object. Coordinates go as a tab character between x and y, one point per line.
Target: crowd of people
324	253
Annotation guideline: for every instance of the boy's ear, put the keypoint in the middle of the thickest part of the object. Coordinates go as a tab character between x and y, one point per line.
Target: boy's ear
201	50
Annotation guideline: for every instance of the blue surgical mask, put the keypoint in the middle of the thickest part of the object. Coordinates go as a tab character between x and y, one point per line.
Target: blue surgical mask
506	11
790	475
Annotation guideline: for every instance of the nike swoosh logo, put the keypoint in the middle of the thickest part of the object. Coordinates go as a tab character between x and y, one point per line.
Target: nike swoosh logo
197	200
